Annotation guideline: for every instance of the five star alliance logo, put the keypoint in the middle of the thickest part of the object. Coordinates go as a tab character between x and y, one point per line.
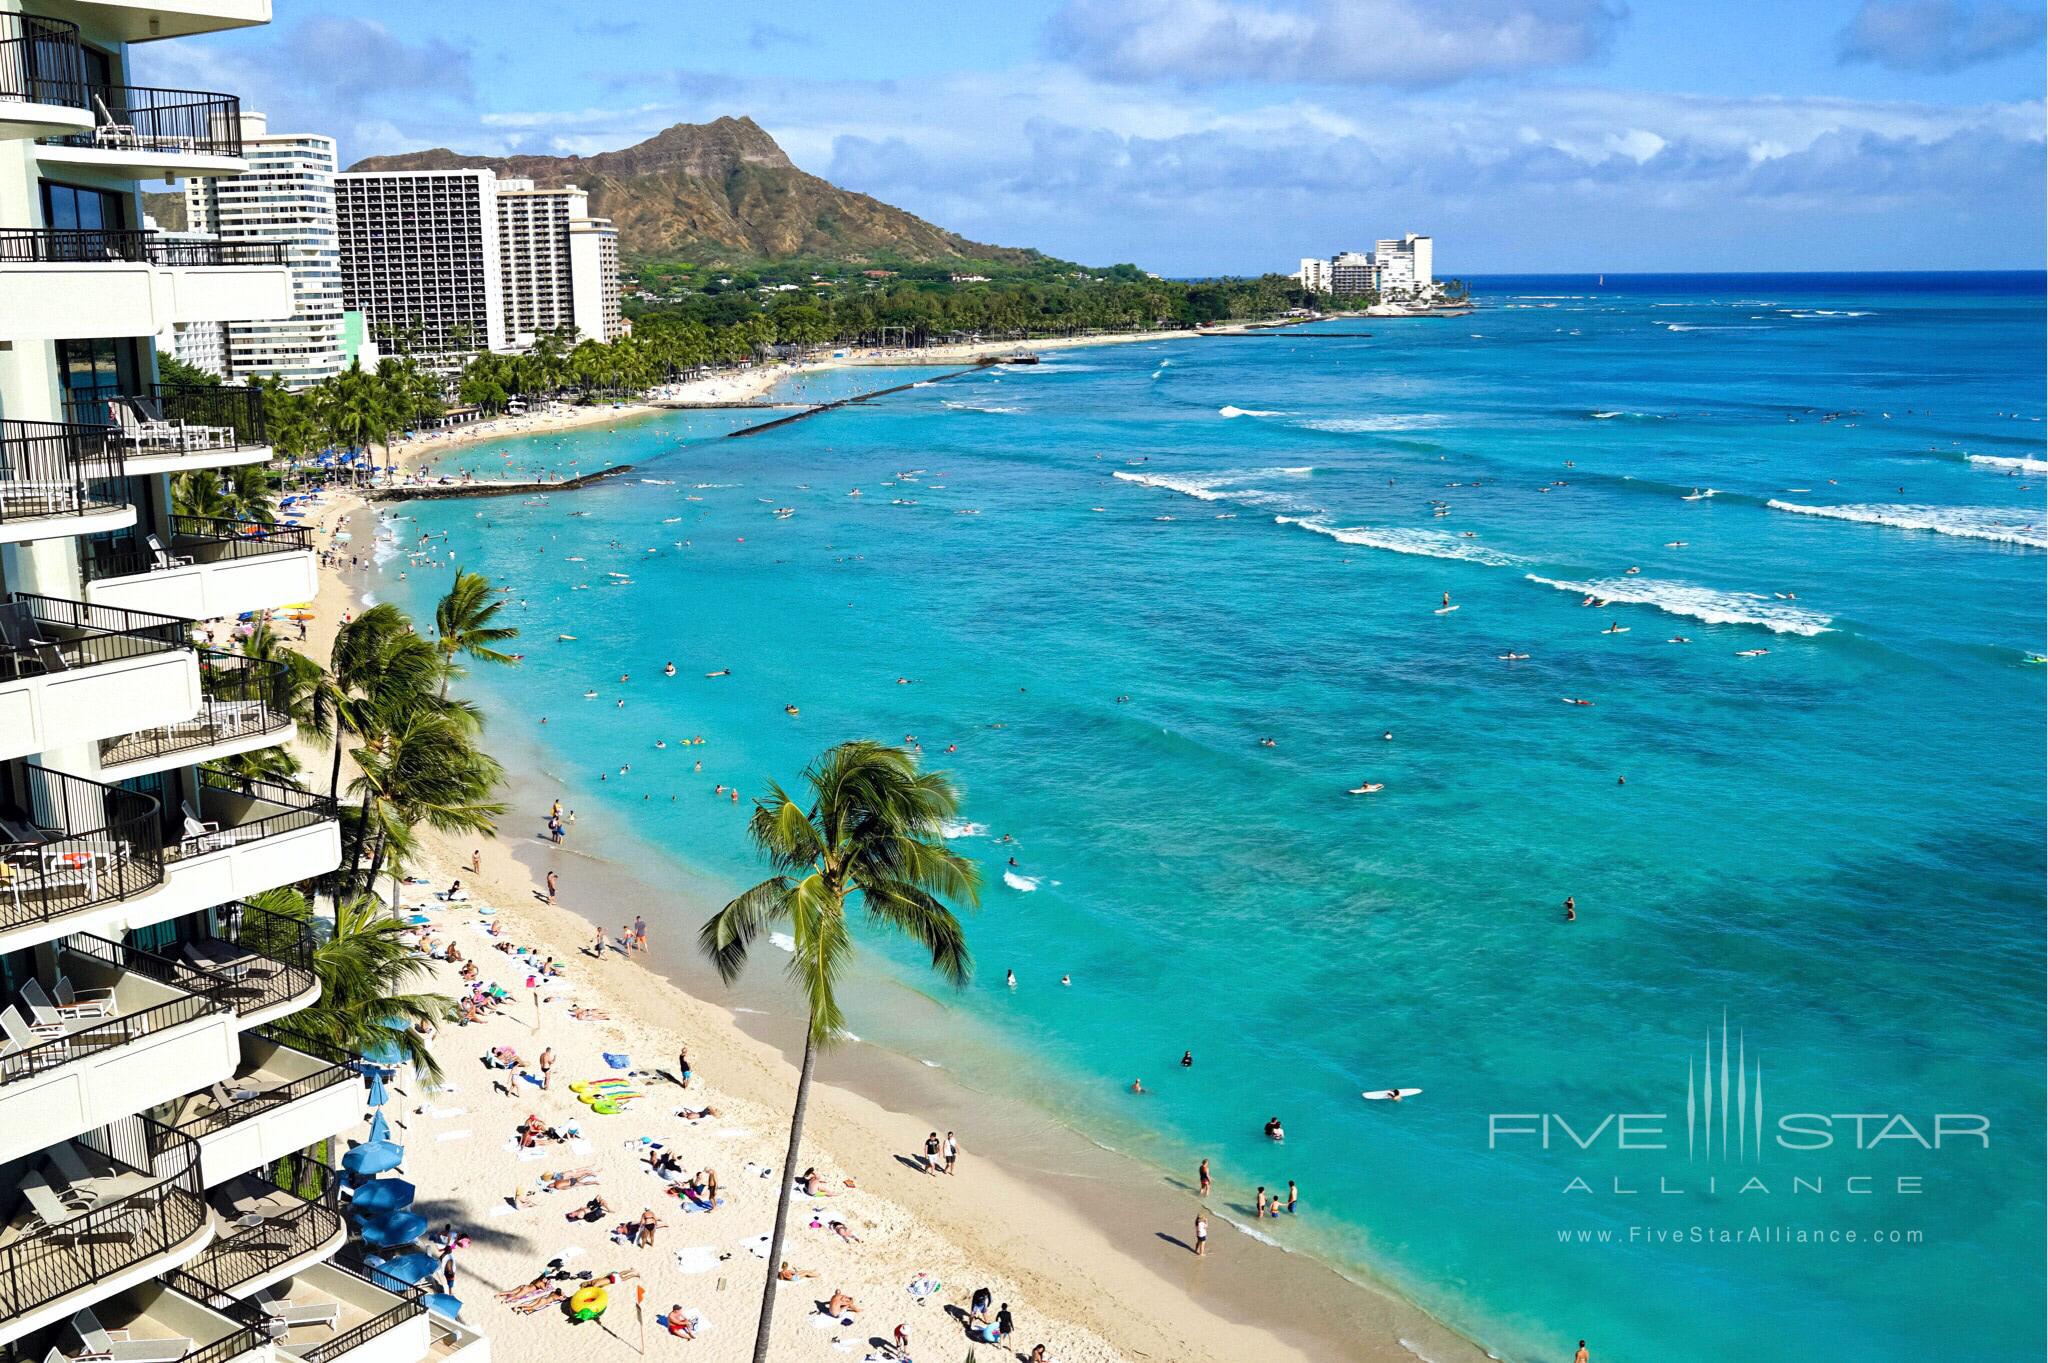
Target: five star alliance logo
1710	1094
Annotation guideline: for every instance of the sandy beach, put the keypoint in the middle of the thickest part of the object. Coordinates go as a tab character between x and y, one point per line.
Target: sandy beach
1091	1251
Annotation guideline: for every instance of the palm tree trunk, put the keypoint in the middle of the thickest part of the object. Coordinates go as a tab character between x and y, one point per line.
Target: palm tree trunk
334	772
376	864
796	1139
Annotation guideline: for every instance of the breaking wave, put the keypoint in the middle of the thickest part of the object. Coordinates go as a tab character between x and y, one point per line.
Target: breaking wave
1425	543
1999	461
1358	425
1700	603
1965	522
1245	411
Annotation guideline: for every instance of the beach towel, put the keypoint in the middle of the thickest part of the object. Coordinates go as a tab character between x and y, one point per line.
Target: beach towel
758	1246
697	1258
458	1135
693	1203
618	1062
505	1209
825	1322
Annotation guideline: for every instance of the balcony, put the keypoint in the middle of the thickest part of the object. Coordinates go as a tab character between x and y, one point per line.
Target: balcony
66	283
164	1322
168	428
211	569
241	837
371	1324
245	704
57	479
282	1097
262	965
268	1225
70	672
128	22
106	1034
76	854
42	78
143	133
92	1217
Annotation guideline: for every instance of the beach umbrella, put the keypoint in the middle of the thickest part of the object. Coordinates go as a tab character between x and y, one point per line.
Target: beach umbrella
373	1158
383	1195
377	1096
396	1024
380	1130
406	1270
384	1053
394	1228
441	1304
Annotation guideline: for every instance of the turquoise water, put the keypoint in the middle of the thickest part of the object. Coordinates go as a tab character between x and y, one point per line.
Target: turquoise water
1836	847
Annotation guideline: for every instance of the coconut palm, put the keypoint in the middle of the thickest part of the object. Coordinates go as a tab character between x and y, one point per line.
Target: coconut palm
463	621
377	668
366	981
871	831
423	768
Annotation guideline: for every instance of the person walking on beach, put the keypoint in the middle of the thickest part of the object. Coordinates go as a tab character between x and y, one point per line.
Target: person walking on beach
952	1151
547	1063
448	1268
597	946
553	883
1202	1176
1201	1236
476	861
931	1154
639	932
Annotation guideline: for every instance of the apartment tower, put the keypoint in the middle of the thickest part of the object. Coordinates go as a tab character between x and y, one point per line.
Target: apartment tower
421	259
561	265
162	1130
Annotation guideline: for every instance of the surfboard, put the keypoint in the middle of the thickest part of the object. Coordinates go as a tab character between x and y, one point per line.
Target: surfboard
1446	610
1623	630
1367	789
1382	1095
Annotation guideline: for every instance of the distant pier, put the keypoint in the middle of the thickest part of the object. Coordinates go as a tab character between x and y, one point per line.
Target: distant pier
974	368
428	492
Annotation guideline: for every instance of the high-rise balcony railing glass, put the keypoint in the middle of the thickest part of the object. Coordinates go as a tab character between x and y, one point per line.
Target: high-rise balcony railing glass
41	62
171	419
57	468
134	118
68	844
243	698
100	245
194	540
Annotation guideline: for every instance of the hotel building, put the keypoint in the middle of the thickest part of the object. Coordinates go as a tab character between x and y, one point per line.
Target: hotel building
1397	267
561	265
162	1193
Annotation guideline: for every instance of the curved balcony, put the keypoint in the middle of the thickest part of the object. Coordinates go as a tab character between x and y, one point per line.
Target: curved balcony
168	428
95	1216
71	672
58	478
42	78
283	1096
211	568
245	705
142	132
269	1223
262	966
67	284
240	838
73	852
112	1030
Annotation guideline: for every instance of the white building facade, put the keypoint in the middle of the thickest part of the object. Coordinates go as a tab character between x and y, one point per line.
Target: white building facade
287	197
1397	267
158	1143
561	265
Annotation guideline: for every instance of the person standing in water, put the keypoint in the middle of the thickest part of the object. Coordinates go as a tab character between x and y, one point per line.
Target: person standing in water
1202	1177
1571	909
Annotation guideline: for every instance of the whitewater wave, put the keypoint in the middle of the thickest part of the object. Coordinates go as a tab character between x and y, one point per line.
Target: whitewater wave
1207	486
960	828
1245	411
1358	425
1700	603
782	941
979	407
1965	522
1810	314
369	600
1021	884
1426	543
1257	1235
1999	461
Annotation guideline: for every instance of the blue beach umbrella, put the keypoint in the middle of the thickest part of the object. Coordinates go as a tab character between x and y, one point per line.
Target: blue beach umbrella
373	1158
377	1096
394	1228
441	1304
385	1053
406	1270
380	1130
382	1195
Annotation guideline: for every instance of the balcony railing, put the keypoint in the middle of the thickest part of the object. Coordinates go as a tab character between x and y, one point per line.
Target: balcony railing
245	810
52	1261
243	698
309	1222
266	960
100	245
337	1071
41	62
175	122
56	468
196	997
74	844
41	636
411	1302
194	540
146	419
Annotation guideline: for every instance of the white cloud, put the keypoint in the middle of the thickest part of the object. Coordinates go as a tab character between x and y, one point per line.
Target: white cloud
1939	35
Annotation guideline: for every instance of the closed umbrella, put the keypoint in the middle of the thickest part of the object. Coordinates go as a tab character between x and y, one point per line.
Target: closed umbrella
373	1158
405	1270
383	1195
395	1228
377	1096
441	1304
380	1130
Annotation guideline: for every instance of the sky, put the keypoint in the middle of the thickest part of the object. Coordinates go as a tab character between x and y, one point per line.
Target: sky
1198	137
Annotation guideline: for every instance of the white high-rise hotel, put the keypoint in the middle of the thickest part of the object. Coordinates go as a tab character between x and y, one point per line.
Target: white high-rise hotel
458	260
160	1138
1398	267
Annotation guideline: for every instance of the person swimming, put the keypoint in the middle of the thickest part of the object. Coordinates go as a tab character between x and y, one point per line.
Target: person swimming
1274	1131
669	671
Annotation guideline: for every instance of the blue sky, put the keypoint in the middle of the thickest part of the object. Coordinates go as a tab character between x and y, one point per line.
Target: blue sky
1214	136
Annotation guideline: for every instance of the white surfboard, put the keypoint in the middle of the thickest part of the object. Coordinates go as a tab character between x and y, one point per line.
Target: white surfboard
1384	1095
1623	630
1446	610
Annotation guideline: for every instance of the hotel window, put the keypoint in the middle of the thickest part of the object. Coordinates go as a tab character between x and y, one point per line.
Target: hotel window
78	208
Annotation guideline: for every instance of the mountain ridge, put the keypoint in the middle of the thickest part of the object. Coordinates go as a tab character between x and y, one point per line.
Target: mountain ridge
724	193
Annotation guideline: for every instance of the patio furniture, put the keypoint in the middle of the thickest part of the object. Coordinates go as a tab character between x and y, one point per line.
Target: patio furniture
48	1209
84	1003
224	958
294	1314
201	835
21	633
22	1034
110	134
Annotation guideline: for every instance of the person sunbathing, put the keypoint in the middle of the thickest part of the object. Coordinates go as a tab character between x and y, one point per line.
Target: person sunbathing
839	1229
841	1305
569	1178
582	1014
527	1308
696	1114
594	1210
813	1184
680	1325
790	1275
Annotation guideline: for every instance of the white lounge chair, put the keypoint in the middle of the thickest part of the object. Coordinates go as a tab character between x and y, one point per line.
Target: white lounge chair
84	1003
111	134
202	835
48	1208
327	1313
21	1034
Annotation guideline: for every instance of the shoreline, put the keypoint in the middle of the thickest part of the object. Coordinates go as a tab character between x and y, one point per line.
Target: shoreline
1085	1227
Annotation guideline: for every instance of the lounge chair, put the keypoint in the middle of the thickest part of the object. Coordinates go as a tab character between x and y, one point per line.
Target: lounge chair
202	835
85	1003
48	1209
80	1184
327	1313
21	1034
22	634
111	134
221	958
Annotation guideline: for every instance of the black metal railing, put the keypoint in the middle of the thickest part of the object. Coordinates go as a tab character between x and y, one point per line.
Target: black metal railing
197	997
41	62
248	810
177	122
75	844
45	635
193	540
266	960
249	1332
307	1227
243	697
327	1350
221	1118
56	468
165	418
99	245
54	1261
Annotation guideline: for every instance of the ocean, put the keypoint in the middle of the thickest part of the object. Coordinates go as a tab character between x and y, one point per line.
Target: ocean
1160	607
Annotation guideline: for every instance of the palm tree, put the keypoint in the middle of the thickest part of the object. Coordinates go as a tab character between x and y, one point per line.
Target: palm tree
425	767
463	619
365	975
872	830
